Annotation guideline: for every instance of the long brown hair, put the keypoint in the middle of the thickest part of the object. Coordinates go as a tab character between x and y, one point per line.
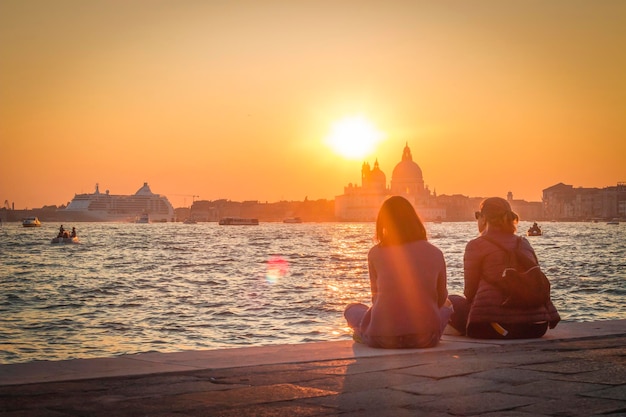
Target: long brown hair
398	223
498	214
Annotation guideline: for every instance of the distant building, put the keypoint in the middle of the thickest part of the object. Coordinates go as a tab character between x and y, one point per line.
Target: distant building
527	211
458	207
361	203
566	203
307	210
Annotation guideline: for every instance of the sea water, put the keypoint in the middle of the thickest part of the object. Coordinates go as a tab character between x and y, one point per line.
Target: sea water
129	288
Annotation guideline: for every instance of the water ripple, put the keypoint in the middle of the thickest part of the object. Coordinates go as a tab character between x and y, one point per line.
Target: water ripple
168	287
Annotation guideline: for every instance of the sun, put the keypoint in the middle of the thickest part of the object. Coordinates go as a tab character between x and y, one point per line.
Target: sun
354	137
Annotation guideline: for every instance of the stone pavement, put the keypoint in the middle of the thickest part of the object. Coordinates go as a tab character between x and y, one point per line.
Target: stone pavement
578	369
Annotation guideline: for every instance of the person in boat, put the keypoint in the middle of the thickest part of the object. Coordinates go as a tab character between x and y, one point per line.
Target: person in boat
73	234
410	306
535	229
480	313
61	232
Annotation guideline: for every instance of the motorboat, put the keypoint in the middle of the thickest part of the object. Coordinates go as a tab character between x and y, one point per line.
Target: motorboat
31	222
65	240
534	230
190	220
65	237
614	221
143	219
238	221
292	220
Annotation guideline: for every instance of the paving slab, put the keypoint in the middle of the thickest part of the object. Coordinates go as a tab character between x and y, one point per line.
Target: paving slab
153	362
579	371
454	386
575	406
479	403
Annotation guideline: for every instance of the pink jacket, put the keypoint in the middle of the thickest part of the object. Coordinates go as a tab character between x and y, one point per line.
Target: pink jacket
408	287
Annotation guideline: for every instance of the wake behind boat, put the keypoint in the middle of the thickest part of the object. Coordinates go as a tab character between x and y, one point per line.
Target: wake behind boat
65	240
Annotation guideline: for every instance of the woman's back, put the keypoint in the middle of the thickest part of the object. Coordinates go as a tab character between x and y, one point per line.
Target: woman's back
408	281
408	287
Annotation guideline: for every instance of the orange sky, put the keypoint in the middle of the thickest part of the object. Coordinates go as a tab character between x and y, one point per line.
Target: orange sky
234	99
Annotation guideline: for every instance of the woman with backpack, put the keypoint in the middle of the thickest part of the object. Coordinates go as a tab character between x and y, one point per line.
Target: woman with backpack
486	311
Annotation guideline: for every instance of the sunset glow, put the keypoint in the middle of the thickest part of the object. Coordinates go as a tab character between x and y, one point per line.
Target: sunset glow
354	137
271	101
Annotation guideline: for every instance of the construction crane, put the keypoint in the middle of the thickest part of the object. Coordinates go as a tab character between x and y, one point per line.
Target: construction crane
193	197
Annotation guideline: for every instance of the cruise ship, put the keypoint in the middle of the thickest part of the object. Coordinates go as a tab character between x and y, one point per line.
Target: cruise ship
105	207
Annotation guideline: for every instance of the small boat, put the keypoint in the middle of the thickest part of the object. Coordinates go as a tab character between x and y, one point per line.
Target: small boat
31	222
238	221
534	230
65	240
614	221
65	237
190	220
292	220
143	219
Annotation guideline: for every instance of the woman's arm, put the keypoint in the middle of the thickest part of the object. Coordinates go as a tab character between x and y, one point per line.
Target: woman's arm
442	284
373	278
471	270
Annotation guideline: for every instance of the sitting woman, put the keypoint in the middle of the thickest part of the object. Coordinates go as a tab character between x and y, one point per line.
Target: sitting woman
409	308
481	313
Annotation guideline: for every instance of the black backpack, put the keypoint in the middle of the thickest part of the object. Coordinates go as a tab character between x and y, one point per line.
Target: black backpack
523	282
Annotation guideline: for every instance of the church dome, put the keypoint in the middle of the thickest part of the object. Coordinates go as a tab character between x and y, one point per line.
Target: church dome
407	170
378	176
373	178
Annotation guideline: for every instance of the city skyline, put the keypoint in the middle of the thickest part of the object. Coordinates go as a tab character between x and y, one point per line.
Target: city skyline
239	101
196	198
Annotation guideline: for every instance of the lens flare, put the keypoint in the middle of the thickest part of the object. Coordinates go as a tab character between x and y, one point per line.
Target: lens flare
277	268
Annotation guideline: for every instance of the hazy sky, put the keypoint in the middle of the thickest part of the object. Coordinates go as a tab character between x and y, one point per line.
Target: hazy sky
234	99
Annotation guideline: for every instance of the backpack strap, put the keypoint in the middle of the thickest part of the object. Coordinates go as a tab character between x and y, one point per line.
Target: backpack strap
516	256
509	253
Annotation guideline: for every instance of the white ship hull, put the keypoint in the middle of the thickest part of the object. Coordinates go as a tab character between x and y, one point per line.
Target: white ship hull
105	207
